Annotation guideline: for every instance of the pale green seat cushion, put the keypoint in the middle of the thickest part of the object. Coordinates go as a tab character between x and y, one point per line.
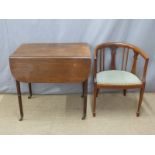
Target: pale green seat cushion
117	77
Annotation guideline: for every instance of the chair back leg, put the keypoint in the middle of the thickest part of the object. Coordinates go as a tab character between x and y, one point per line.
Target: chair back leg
97	92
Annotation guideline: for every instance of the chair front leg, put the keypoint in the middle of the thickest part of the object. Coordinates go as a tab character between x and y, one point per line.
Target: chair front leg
94	100
140	100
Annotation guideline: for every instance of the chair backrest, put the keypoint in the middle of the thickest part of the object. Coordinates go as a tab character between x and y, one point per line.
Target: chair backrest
125	48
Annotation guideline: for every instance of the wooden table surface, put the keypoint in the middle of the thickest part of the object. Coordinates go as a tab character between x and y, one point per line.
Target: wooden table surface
46	63
61	50
51	63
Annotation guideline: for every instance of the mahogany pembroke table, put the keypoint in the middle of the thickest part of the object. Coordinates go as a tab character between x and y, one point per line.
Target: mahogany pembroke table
51	63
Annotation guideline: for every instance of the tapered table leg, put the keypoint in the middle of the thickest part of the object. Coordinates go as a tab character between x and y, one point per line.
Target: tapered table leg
124	92
94	99
82	89
85	100
19	100
30	90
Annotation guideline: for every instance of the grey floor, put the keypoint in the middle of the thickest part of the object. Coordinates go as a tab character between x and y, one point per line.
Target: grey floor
61	114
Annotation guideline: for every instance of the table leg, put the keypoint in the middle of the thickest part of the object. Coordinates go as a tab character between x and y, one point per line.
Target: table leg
30	90
19	100
85	100
82	89
124	92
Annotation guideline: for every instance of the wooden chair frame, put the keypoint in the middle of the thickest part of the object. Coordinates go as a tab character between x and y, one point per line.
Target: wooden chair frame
99	53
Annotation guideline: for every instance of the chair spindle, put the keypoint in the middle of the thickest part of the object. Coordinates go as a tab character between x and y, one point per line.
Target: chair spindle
126	59
134	65
113	55
122	68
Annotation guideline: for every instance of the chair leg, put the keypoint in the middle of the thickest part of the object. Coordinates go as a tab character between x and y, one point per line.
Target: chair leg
140	101
94	100
124	92
97	92
30	91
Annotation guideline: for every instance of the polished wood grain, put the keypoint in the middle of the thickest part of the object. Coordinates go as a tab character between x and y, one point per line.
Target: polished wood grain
45	63
50	70
51	63
61	50
126	49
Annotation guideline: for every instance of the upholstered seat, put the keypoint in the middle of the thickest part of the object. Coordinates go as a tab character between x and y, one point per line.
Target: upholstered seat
117	77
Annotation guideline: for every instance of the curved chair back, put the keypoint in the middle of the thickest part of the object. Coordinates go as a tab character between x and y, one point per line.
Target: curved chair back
126	49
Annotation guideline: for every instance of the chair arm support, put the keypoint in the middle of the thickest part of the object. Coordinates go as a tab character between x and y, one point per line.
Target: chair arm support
145	69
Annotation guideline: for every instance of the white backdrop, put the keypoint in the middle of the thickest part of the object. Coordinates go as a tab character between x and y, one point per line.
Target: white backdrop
15	32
